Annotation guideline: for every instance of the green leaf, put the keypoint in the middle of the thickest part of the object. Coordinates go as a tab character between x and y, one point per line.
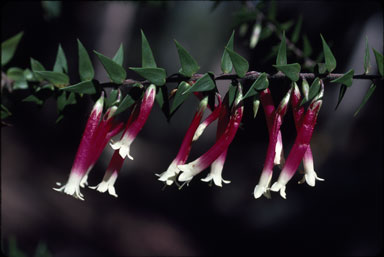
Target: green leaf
281	58
240	64
322	69
28	74
314	89
86	71
272	10
296	31
346	79
290	70
8	48
83	87
119	56
343	89
111	99
180	97
162	100
367	57
232	93
330	61
307	49
259	84
370	91
33	99
156	76
37	66
5	112
226	64
256	104
205	83
188	64
52	9
379	62
147	59
61	101
15	73
56	78
61	61
115	71
124	104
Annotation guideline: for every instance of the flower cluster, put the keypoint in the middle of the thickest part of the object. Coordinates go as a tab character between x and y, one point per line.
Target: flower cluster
228	112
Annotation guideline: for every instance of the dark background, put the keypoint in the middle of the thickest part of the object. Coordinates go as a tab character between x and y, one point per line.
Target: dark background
340	216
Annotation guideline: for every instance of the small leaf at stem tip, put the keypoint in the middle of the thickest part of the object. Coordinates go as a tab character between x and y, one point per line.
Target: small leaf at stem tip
330	61
111	99
281	58
61	61
86	71
8	48
37	66
226	64
296	30
259	84
343	89
292	70
367	57
180	97
83	87
379	61
205	83
307	49
115	71
305	89
231	93
314	89
370	91
56	78
240	64
147	59
346	79
322	69
119	56
188	64
156	76
33	99
124	104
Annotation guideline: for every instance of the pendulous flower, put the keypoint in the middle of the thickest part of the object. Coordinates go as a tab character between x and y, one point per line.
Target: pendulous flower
84	153
139	119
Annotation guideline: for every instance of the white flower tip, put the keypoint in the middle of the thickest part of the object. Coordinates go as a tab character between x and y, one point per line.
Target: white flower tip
311	178
259	191
185	177
115	145
124	152
199	131
279	187
58	184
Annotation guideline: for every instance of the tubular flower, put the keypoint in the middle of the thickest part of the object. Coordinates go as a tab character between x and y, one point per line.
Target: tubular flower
110	175
107	129
84	153
299	147
169	175
193	168
218	165
310	175
266	174
139	119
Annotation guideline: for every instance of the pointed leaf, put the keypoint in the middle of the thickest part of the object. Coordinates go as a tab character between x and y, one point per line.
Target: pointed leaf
292	70
240	64
346	79
119	56
111	99
115	71
343	89
86	71
232	93
156	76
307	49
322	69
205	83
188	64
8	48
379	62
37	66
180	97
281	58
259	84
226	64
124	104
367	57
61	61
370	91
61	101
330	61
314	89
84	87
56	78
296	31
147	59
33	99
256	104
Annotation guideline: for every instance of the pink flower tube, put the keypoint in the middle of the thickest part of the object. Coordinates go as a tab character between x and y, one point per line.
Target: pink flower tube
310	175
84	153
217	166
169	175
299	147
131	131
193	168
266	175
